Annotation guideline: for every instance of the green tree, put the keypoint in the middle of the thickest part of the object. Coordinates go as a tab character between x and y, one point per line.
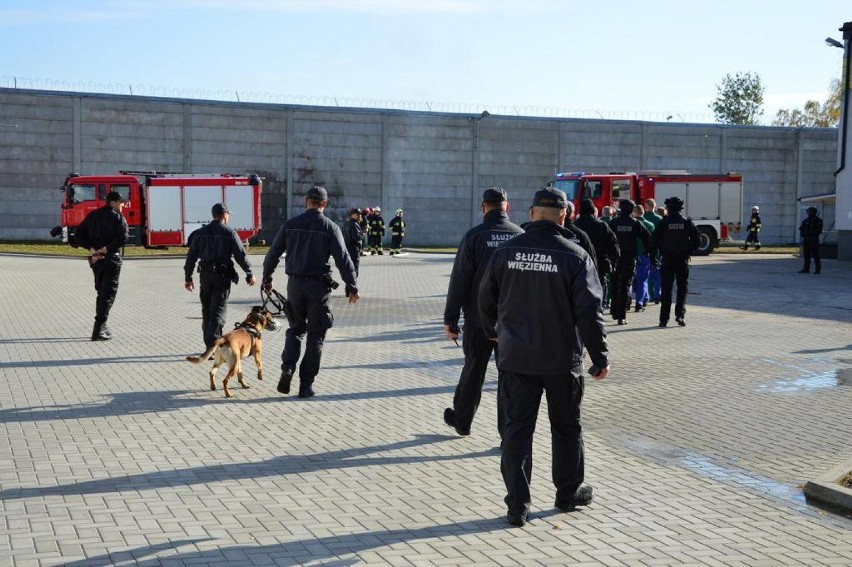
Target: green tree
814	114
739	99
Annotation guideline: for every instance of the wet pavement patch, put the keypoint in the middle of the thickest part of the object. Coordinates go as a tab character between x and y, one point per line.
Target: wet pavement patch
809	382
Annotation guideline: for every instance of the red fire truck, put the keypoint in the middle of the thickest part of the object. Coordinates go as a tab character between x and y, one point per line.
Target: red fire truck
163	208
714	202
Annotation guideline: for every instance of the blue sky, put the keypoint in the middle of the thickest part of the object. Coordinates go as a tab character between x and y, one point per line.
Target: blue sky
622	59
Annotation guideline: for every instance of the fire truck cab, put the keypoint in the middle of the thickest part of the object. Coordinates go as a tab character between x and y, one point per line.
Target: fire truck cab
163	209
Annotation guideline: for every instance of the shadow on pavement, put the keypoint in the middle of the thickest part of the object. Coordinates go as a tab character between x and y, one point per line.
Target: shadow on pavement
93	361
325	550
277	466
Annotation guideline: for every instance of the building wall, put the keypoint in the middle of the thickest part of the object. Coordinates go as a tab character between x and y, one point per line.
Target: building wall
435	166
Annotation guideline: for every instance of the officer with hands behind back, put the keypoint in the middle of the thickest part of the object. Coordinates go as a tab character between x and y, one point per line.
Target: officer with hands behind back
540	298
676	238
212	246
104	232
309	240
476	248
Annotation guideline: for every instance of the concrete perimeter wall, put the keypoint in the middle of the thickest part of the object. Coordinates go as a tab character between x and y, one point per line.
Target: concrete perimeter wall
435	166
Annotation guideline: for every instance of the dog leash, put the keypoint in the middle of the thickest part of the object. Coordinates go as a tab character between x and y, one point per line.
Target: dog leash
272	298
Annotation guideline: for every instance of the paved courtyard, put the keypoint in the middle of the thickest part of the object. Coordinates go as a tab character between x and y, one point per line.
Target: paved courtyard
697	445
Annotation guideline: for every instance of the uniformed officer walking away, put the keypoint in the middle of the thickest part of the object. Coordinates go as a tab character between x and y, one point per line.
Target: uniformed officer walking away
309	240
629	232
810	229
677	239
375	231
353	237
540	298
603	239
212	246
753	228
104	232
474	251
397	226
577	235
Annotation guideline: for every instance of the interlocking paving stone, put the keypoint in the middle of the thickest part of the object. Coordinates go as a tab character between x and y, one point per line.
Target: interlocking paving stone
697	445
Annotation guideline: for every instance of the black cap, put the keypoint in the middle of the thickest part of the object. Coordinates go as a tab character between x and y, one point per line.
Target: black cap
550	197
675	203
494	195
354	211
587	207
317	193
115	196
626	206
220	209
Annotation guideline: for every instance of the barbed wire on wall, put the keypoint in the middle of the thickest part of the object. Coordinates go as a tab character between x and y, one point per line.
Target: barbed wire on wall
140	89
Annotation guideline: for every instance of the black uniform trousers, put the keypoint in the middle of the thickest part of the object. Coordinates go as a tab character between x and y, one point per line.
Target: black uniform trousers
674	269
355	254
396	242
521	395
375	241
215	288
309	298
106	272
477	352
621	280
810	249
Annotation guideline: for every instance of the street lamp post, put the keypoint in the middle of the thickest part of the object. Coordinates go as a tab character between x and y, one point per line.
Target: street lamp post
843	176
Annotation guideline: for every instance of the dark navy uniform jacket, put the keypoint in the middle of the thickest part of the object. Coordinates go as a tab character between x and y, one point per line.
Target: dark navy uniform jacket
475	250
309	240
102	227
629	231
580	237
214	244
603	240
541	297
353	234
676	238
811	227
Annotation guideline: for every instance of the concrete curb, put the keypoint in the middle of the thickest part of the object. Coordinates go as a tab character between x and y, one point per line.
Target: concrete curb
825	489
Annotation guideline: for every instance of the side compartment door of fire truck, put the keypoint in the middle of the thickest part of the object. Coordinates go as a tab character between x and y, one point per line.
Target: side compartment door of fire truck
240	200
198	200
163	204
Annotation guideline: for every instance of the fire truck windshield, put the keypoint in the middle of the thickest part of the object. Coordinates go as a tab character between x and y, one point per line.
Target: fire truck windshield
80	192
569	186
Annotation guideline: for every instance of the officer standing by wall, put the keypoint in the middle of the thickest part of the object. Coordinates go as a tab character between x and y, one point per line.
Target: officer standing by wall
602	237
104	232
677	239
397	226
540	298
753	228
309	240
376	231
212	246
629	232
810	229
474	251
353	237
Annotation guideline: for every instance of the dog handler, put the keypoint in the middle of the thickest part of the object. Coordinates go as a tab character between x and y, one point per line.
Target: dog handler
212	246
104	233
309	240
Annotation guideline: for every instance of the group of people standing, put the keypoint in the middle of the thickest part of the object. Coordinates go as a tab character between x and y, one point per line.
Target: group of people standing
365	229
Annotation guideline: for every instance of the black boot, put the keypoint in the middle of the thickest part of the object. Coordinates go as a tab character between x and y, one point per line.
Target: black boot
818	266
807	267
99	333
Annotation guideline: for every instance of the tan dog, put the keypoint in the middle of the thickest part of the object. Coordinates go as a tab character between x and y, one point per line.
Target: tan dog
232	347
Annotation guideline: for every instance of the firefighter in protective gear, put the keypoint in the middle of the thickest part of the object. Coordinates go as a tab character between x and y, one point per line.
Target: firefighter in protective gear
375	231
397	226
753	229
810	229
676	238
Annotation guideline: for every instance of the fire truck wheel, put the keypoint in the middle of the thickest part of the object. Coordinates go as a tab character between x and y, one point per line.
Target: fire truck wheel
709	240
